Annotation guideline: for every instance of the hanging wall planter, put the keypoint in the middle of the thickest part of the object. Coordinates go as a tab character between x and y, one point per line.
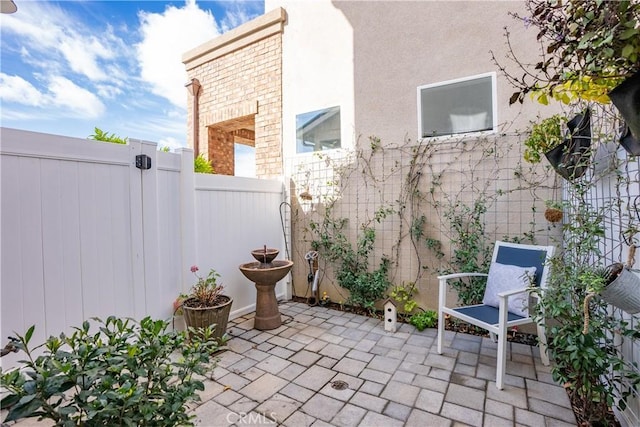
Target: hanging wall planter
571	158
626	98
623	289
630	144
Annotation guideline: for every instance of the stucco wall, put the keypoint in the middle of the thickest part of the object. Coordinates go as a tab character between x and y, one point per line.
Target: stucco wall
369	58
318	66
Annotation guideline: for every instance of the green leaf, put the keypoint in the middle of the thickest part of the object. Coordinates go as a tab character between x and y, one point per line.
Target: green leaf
628	33
24	410
628	50
9	400
29	334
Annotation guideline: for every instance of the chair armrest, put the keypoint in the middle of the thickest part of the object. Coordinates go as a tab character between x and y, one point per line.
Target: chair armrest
507	294
442	284
458	275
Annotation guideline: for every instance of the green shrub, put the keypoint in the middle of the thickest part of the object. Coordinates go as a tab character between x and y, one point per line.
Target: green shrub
201	165
126	375
424	319
100	135
352	272
403	295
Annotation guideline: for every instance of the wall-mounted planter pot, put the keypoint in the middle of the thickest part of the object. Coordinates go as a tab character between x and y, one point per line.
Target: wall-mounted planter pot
626	98
624	289
571	158
631	144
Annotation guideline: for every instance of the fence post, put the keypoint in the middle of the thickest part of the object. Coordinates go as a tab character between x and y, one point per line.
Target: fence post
138	290
187	216
151	229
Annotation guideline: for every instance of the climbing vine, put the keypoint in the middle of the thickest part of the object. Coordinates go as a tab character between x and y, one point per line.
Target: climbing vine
391	213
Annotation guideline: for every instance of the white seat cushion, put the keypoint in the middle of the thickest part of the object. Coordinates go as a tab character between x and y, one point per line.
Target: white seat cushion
503	278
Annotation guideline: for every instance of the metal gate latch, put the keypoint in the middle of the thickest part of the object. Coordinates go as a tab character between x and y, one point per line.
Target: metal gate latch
143	162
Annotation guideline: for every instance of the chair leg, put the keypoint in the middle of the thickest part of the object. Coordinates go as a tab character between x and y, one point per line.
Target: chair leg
502	359
502	343
542	343
440	330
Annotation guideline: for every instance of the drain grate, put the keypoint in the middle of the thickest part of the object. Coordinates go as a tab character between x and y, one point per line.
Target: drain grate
339	385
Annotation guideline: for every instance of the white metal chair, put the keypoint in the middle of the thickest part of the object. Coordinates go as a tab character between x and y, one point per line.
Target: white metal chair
515	268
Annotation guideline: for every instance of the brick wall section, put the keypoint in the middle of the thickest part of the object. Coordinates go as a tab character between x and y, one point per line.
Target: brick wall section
247	77
221	151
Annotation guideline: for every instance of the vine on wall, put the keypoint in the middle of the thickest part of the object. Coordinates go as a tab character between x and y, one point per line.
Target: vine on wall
389	214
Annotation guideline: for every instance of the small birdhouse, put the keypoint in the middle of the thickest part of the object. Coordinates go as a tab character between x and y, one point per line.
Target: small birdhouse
390	316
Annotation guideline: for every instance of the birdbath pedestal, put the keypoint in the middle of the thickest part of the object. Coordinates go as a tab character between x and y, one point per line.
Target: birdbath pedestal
265	273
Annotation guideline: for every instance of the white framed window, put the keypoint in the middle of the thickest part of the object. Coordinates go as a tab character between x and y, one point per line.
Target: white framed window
318	130
458	106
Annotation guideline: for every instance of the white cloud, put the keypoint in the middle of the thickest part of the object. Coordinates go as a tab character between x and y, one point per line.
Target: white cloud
45	29
60	92
17	89
234	18
240	11
65	93
165	37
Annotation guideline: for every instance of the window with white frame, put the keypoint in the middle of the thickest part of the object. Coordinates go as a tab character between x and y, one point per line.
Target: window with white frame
318	130
457	106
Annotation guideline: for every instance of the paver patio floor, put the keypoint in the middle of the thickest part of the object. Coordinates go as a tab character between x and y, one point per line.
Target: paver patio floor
325	367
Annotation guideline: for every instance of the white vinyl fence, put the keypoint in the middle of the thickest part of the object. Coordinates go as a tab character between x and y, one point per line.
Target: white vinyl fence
85	233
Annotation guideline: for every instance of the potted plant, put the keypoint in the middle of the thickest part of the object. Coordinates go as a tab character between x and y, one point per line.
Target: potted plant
622	288
568	155
206	305
553	212
544	136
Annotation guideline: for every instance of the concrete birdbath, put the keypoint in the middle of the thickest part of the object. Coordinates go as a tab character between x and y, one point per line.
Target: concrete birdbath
265	273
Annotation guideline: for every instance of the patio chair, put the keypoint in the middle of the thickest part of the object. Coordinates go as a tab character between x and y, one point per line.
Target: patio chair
514	270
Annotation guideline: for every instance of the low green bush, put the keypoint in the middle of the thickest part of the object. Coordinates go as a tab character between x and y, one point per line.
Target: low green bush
124	373
201	165
424	319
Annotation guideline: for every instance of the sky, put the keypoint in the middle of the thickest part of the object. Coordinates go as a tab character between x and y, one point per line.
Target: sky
67	67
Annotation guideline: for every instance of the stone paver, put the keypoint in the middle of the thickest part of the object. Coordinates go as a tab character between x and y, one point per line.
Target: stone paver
315	377
430	401
349	416
400	392
273	364
368	401
305	358
465	396
322	407
349	366
263	388
278	407
374	419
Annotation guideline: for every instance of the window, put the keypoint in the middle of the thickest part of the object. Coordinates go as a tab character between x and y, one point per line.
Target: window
457	106
318	130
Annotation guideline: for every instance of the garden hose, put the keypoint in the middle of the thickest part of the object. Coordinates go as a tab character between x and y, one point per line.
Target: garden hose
312	278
